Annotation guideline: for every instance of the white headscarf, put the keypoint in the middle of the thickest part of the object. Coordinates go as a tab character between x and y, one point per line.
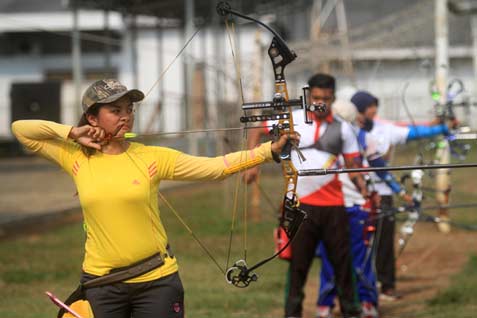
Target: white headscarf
345	110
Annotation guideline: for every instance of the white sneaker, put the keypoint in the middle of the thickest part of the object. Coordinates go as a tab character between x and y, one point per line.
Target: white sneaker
368	310
323	312
444	225
389	295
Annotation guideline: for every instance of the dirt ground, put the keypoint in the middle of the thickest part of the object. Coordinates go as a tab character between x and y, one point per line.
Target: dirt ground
425	267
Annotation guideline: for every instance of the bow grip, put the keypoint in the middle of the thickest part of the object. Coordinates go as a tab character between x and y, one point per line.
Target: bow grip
286	151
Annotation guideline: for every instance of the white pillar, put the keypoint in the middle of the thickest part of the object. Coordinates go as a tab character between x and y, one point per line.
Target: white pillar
442	48
76	61
442	70
474	50
188	72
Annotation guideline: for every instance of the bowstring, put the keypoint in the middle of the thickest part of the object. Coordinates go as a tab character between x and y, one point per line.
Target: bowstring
168	66
420	142
230	31
201	244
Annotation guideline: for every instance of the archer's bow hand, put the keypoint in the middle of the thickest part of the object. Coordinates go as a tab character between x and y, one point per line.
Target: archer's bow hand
373	202
251	175
452	123
285	140
407	198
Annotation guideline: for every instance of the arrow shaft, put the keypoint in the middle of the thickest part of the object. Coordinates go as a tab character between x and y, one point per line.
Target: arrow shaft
322	172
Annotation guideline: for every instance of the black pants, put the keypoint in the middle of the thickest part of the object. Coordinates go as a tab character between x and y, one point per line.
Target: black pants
160	298
331	225
385	258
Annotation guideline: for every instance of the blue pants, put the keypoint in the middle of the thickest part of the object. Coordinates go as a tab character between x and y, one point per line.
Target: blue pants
362	263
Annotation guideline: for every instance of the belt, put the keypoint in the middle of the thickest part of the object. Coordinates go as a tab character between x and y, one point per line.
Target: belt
118	275
124	273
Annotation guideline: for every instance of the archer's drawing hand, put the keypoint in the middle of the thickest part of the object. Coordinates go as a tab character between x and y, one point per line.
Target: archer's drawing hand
89	136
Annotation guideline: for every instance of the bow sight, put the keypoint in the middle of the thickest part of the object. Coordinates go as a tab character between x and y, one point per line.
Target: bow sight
279	103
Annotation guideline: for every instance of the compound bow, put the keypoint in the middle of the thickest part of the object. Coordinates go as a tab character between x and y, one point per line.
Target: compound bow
241	275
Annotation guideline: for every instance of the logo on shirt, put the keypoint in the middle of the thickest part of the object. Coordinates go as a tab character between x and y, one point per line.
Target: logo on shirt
136	182
176	307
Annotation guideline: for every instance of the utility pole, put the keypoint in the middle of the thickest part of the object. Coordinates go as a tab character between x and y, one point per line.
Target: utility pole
107	45
193	148
131	56
442	70
474	49
315	26
344	40
255	214
320	13
469	7
76	57
158	112
442	49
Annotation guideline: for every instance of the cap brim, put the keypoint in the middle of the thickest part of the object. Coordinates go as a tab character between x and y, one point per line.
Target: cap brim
134	94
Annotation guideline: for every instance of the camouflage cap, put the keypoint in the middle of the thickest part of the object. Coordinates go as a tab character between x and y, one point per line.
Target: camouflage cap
106	91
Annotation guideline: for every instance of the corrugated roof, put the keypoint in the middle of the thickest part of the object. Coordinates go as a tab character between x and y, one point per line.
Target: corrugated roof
15	6
174	9
371	23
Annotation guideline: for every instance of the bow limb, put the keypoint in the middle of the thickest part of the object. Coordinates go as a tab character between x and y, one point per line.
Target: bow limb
407	229
444	97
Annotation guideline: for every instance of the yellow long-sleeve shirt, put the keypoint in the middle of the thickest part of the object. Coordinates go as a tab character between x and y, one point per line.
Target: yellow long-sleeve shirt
118	193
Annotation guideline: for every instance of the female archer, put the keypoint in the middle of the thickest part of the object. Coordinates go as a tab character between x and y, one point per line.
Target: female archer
128	268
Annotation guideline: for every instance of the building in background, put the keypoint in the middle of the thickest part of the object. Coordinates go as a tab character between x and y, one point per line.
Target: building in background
386	47
391	46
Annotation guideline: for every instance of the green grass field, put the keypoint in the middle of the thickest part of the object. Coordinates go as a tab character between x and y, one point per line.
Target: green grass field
51	260
460	299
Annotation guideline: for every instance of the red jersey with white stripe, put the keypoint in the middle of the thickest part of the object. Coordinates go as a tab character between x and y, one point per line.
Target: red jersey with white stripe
322	142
